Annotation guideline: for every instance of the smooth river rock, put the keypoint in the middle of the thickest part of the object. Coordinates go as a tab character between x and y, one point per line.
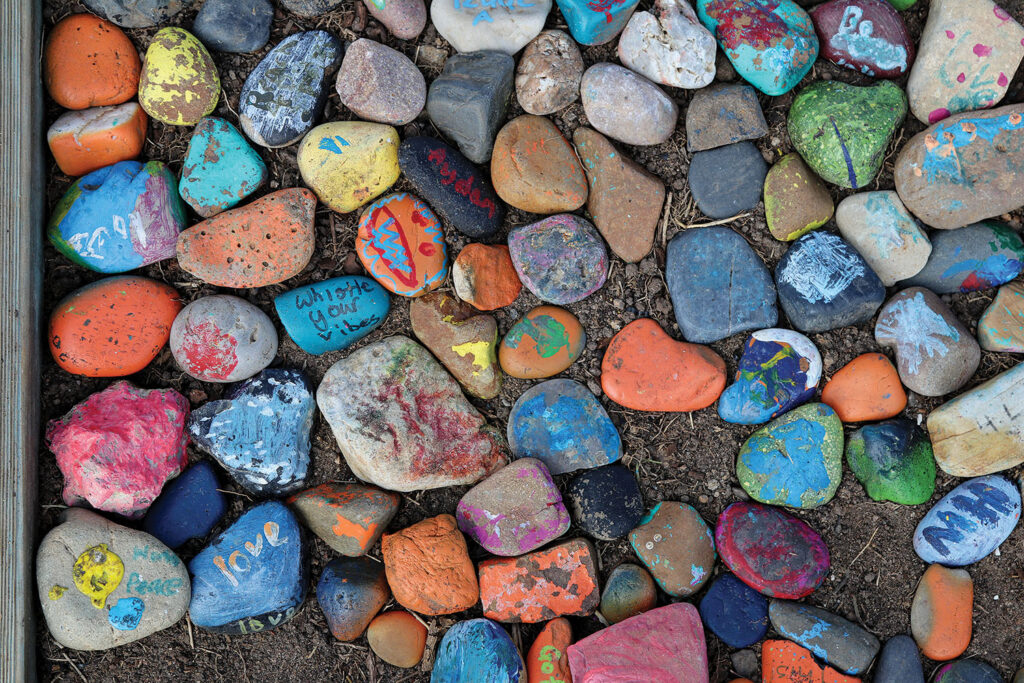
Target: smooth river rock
728	180
503	27
222	338
470	648
626	106
549	73
882	231
534	168
179	84
333	314
972	258
677	547
722	114
561	259
835	640
893	461
378	83
1001	326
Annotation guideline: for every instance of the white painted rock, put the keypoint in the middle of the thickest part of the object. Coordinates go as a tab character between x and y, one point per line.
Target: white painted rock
222	338
672	48
886	235
471	25
626	106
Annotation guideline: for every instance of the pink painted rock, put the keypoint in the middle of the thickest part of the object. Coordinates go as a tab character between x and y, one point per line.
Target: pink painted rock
868	36
117	448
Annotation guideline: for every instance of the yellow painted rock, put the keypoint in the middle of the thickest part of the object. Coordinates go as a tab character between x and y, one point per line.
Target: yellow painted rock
349	163
179	83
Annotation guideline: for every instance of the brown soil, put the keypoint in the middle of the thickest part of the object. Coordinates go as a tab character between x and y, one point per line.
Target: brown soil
687	457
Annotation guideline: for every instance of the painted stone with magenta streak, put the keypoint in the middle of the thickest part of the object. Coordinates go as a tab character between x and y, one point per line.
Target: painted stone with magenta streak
561	259
734	612
867	36
723	114
542	343
398	638
606	502
179	83
836	641
626	106
87	62
401	244
350	592
534	168
882	231
629	591
350	518
786	662
549	73
547	659
969	259
941	614
676	545
189	506
893	461
593	23
84	141
349	163
866	388
477	650
378	83
220	168
795	199
333	314
135	13
900	661
484	276
1001	327
234	25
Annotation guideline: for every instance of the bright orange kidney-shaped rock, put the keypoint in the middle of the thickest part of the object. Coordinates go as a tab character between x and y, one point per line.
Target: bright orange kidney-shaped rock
866	388
89	62
547	660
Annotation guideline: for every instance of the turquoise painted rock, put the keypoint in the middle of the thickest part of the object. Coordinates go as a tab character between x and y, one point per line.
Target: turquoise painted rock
842	130
971	258
796	460
220	168
477	651
598	21
1001	327
333	314
893	461
771	43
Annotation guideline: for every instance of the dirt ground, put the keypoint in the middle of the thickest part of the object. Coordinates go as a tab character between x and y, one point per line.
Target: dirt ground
686	457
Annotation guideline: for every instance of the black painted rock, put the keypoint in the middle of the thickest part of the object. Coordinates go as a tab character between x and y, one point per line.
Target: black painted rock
234	25
723	114
839	642
605	502
135	13
310	8
727	180
350	592
900	662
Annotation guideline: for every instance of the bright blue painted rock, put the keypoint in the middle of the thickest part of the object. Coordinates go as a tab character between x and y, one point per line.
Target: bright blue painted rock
564	425
719	286
839	643
254	576
900	662
734	612
598	21
350	592
119	217
188	507
220	168
333	314
825	284
260	431
979	256
969	522
970	671
477	651
778	371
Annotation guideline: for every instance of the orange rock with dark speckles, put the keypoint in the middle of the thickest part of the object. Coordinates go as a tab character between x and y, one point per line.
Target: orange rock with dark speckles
89	62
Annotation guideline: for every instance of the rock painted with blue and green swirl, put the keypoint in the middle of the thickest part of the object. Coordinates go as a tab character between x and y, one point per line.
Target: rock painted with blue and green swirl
220	168
893	461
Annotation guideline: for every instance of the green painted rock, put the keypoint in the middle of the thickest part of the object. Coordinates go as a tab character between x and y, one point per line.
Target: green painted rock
842	130
902	4
893	461
795	199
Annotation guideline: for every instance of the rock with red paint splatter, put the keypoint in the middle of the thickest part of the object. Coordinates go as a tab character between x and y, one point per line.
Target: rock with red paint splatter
401	421
222	338
348	517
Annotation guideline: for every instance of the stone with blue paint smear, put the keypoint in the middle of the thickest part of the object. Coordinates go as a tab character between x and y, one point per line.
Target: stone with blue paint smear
333	314
1001	326
722	114
188	507
839	643
734	612
900	661
596	23
979	256
677	547
220	168
477	651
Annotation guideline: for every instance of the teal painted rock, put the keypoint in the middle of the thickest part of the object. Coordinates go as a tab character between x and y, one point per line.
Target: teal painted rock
1001	327
596	23
771	43
220	168
893	461
795	460
842	130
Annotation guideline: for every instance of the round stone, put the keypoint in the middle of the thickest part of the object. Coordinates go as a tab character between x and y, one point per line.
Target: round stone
549	73
484	276
795	200
189	506
837	641
234	25
404	18
88	62
401	244
893	461
606	502
135	13
629	591
503	27
380	84
398	638
542	343
349	163
727	181
734	612
677	547
475	646
866	388
179	84
882	230
534	168
970	671
626	106
561	259
723	114
222	338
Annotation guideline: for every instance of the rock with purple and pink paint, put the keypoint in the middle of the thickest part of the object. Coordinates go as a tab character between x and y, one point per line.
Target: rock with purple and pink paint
561	259
868	36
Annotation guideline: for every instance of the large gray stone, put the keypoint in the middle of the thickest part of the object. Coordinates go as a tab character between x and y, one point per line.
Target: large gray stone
626	106
234	25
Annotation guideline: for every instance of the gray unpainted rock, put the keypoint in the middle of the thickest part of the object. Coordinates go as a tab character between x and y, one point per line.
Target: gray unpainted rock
722	114
136	13
728	180
626	106
234	25
900	662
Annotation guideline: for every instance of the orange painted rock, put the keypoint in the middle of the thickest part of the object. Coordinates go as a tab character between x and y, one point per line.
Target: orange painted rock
786	662
428	567
547	661
534	168
398	638
259	244
866	388
348	517
645	369
542	343
558	581
113	327
401	244
485	277
83	141
942	612
89	62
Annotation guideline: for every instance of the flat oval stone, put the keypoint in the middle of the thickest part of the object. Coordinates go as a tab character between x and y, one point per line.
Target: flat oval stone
900	662
594	23
485	277
220	168
350	518
401	244
629	591
785	662
882	231
972	258
941	613
503	27
795	199
233	25
283	97
380	84
84	141
462	338
475	646
349	163
729	180
87	62
398	638
179	84
1001	327
626	106
189	506
333	314
734	612
135	13
534	168
605	502
350	592
868	36
893	461
544	342
971	671
669	47
675	544
866	388
722	114
561	259
405	19
835	640
547	658
222	338
549	73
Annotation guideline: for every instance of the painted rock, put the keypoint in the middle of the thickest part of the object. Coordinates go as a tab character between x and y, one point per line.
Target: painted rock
624	200
963	169
779	370
972	258
112	327
1001	327
942	612
333	314
629	591
485	277
675	544
606	502
189	506
350	592
671	48
380	84
836	641
558	581
119	218
252	577
771	551
664	644
868	36
734	612
179	84
786	662
477	651
535	169
969	522
561	259
710	301
349	163
723	114
770	43
135	13
398	638
596	23
882	231
542	343
88	62
515	510
120	469
102	585
468	101
547	659
347	517
900	662
222	338
437	438
564	425
283	97
795	199
405	19
842	131
970	671
626	106
549	73
220	168
893	461
454	187
463	339
866	388
84	141
504	27
401	244
233	26
729	180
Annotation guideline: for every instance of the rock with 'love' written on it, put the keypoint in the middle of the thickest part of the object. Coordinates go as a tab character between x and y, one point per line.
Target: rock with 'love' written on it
222	338
868	36
401	244
333	314
348	517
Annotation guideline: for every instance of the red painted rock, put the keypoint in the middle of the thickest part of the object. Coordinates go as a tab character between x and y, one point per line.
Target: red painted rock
348	517
117	448
675	544
83	141
113	327
89	62
942	612
484	276
398	638
222	338
544	342
868	36
786	662
547	660
645	369
866	388
260	244
401	245
535	169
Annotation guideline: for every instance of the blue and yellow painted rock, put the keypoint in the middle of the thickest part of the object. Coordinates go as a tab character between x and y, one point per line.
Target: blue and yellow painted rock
401	244
349	163
972	258
893	460
333	314
220	168
477	650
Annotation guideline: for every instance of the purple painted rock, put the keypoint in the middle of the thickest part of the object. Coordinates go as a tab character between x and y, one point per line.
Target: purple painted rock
868	36
404	18
675	544
561	259
378	83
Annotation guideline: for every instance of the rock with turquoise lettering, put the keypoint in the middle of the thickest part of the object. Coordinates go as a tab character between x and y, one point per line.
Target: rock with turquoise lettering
734	612
771	43
350	592
779	370
796	460
723	114
135	13
975	257
626	106
593	23
970	522
189	506
899	662
234	25
101	584
1001	326
726	181
333	314
562	424
472	25
677	547
893	461
378	83
477	651
839	643
254	576
605	501
671	47
842	130
868	36
825	284
119	217
882	231
561	259
935	353
220	168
